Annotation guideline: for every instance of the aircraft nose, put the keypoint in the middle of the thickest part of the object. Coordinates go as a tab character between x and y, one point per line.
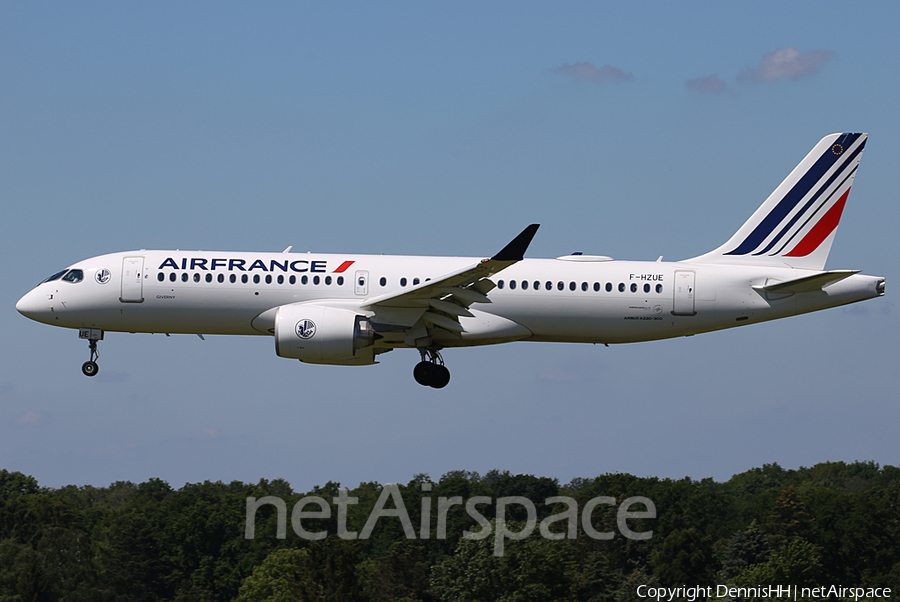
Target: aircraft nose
32	305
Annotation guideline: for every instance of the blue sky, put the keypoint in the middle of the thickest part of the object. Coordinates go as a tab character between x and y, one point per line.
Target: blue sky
630	130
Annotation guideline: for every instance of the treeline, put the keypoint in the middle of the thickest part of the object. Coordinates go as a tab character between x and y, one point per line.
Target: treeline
833	523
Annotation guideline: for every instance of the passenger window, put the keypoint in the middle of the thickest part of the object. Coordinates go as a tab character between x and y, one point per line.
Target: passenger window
596	287
268	278
500	284
220	278
196	277
160	276
340	280
209	277
327	279
646	288
292	279
621	287
572	286
524	285
403	282
316	280
537	285
280	279
244	278
512	285
609	287
255	278
383	281
415	281
304	279
184	277
633	287
584	286
232	279
658	288
560	285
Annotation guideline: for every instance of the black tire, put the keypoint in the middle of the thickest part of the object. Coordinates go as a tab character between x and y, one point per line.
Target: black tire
90	368
424	373
440	378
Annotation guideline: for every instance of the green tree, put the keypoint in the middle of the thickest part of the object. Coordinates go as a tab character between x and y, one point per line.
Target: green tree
682	559
325	571
277	579
746	547
530	570
789	520
796	564
134	567
32	583
399	574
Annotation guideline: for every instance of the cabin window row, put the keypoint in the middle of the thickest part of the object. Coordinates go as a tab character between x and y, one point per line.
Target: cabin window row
403	281
256	278
573	286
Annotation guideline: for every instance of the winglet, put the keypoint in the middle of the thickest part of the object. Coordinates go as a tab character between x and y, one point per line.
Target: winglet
515	250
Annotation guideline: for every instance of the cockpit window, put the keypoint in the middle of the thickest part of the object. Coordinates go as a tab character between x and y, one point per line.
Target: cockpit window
55	276
74	276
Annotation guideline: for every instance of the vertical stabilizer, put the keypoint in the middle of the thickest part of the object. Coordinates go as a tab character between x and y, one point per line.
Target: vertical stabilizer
795	226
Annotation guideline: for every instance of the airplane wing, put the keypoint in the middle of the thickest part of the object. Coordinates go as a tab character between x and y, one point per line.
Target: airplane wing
443	300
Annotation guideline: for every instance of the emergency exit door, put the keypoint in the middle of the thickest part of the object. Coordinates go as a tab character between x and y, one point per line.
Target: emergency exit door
361	285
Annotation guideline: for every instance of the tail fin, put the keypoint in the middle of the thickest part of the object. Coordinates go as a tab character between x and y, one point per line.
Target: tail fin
796	225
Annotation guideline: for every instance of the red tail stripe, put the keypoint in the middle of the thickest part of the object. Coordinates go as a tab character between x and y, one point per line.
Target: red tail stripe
821	230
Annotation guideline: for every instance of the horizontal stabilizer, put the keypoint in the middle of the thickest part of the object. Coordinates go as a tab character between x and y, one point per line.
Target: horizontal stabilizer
816	282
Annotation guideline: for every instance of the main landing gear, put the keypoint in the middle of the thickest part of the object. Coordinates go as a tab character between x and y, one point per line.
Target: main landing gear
431	372
90	367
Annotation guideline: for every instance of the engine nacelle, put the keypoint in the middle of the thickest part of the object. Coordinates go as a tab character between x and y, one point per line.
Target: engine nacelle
319	334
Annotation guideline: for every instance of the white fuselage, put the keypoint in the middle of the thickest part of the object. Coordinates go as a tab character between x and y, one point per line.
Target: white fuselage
573	299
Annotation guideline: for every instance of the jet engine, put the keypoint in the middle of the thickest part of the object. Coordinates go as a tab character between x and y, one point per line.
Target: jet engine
319	334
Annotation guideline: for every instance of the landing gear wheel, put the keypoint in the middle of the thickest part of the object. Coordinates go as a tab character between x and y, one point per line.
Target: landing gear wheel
423	373
90	367
440	377
431	372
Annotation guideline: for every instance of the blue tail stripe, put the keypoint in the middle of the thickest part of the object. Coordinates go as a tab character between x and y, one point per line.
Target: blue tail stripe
838	173
790	200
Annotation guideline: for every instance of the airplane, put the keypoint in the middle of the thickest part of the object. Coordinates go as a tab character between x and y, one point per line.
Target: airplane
349	309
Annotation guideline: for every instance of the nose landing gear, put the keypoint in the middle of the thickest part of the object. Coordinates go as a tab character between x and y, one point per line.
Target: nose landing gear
90	367
431	372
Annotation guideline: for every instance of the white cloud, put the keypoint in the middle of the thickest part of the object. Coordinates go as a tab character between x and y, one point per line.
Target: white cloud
589	72
786	63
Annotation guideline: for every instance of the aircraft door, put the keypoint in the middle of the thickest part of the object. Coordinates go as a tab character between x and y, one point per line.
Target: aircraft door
684	293
132	280
361	284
